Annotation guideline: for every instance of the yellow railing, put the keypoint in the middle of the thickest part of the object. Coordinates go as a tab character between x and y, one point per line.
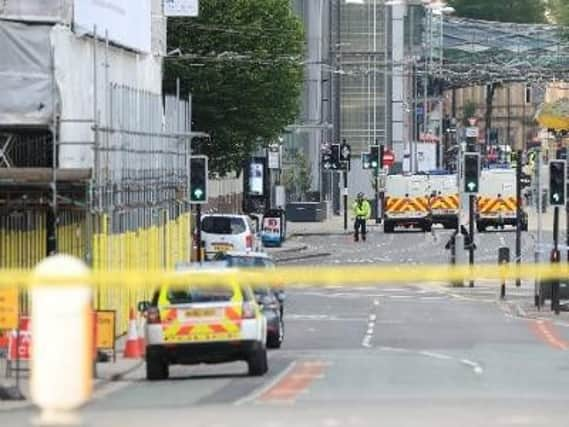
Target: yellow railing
23	245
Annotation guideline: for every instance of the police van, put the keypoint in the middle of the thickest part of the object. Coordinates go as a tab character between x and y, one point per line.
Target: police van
407	203
497	201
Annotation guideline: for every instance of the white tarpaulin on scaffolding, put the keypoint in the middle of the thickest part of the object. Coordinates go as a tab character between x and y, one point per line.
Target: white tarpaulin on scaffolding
28	91
26	86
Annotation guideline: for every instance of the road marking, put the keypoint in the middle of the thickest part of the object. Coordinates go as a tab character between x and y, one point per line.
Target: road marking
255	395
435	355
546	332
296	382
366	342
475	366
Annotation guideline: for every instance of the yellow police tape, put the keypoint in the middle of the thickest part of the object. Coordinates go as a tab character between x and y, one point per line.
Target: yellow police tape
291	277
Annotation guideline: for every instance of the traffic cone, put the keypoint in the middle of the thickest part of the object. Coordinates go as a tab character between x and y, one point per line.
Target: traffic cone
132	348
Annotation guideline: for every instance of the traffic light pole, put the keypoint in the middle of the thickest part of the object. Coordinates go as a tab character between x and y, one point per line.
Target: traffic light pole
199	232
519	214
555	260
345	195
472	203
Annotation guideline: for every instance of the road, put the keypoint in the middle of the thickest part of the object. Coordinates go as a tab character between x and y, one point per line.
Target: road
405	356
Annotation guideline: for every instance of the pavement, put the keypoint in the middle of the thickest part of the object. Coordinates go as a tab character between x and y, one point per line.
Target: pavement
423	354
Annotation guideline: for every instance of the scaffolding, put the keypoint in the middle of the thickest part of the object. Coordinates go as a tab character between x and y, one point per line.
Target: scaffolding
130	210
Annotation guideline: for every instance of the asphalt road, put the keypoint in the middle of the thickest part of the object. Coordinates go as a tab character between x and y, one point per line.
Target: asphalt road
391	355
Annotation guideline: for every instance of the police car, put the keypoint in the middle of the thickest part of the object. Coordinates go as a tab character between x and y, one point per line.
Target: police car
189	325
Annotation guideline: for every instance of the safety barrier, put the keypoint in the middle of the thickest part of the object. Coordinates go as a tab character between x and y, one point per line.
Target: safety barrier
145	281
23	238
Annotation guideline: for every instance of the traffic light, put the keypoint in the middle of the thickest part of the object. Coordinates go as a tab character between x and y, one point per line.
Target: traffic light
557	182
335	157
198	180
374	156
366	161
326	157
471	172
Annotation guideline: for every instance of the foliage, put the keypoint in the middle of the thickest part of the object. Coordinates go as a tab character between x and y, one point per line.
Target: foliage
518	11
298	179
468	111
241	61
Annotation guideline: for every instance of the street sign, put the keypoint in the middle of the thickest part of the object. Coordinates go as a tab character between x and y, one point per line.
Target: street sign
472	132
181	8
8	308
388	158
274	156
105	329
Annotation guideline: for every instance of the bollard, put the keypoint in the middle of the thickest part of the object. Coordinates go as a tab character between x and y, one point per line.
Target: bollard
62	329
555	258
503	259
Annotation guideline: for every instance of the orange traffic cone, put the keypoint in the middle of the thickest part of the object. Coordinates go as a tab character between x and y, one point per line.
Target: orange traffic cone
132	349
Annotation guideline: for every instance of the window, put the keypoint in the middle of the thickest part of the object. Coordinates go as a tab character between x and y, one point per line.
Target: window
219	293
528	93
223	225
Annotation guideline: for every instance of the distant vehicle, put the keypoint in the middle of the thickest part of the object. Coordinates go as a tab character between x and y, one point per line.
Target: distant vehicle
444	200
497	202
226	232
407	202
188	324
270	300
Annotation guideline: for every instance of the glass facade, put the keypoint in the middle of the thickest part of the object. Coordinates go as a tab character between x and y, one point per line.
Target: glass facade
361	64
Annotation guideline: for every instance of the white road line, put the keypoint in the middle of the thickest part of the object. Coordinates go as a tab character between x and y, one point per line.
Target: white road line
261	390
376	302
366	342
435	355
110	388
372	317
475	366
369	331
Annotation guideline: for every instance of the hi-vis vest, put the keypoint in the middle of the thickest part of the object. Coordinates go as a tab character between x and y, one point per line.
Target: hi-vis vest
362	210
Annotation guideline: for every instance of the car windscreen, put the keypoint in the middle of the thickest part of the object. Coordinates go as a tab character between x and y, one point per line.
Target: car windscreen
223	225
184	295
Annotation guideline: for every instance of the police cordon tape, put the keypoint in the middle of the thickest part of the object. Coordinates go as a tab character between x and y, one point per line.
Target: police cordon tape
290	277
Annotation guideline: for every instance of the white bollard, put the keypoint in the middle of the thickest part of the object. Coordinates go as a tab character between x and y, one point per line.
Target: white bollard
62	347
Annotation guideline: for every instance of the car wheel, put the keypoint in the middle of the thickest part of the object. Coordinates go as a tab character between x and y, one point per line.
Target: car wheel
480	228
388	227
258	364
156	368
428	227
275	340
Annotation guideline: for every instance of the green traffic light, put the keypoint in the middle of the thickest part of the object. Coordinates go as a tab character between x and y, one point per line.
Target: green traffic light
198	194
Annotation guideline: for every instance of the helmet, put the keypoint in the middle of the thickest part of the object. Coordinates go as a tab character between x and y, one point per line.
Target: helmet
360	195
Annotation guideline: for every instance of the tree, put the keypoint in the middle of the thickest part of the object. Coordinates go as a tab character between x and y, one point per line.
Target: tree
519	11
241	61
298	179
559	11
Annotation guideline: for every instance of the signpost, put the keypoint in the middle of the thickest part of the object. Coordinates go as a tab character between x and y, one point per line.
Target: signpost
105	321
8	308
388	158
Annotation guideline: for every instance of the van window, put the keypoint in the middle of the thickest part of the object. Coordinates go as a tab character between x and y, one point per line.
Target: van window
223	225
